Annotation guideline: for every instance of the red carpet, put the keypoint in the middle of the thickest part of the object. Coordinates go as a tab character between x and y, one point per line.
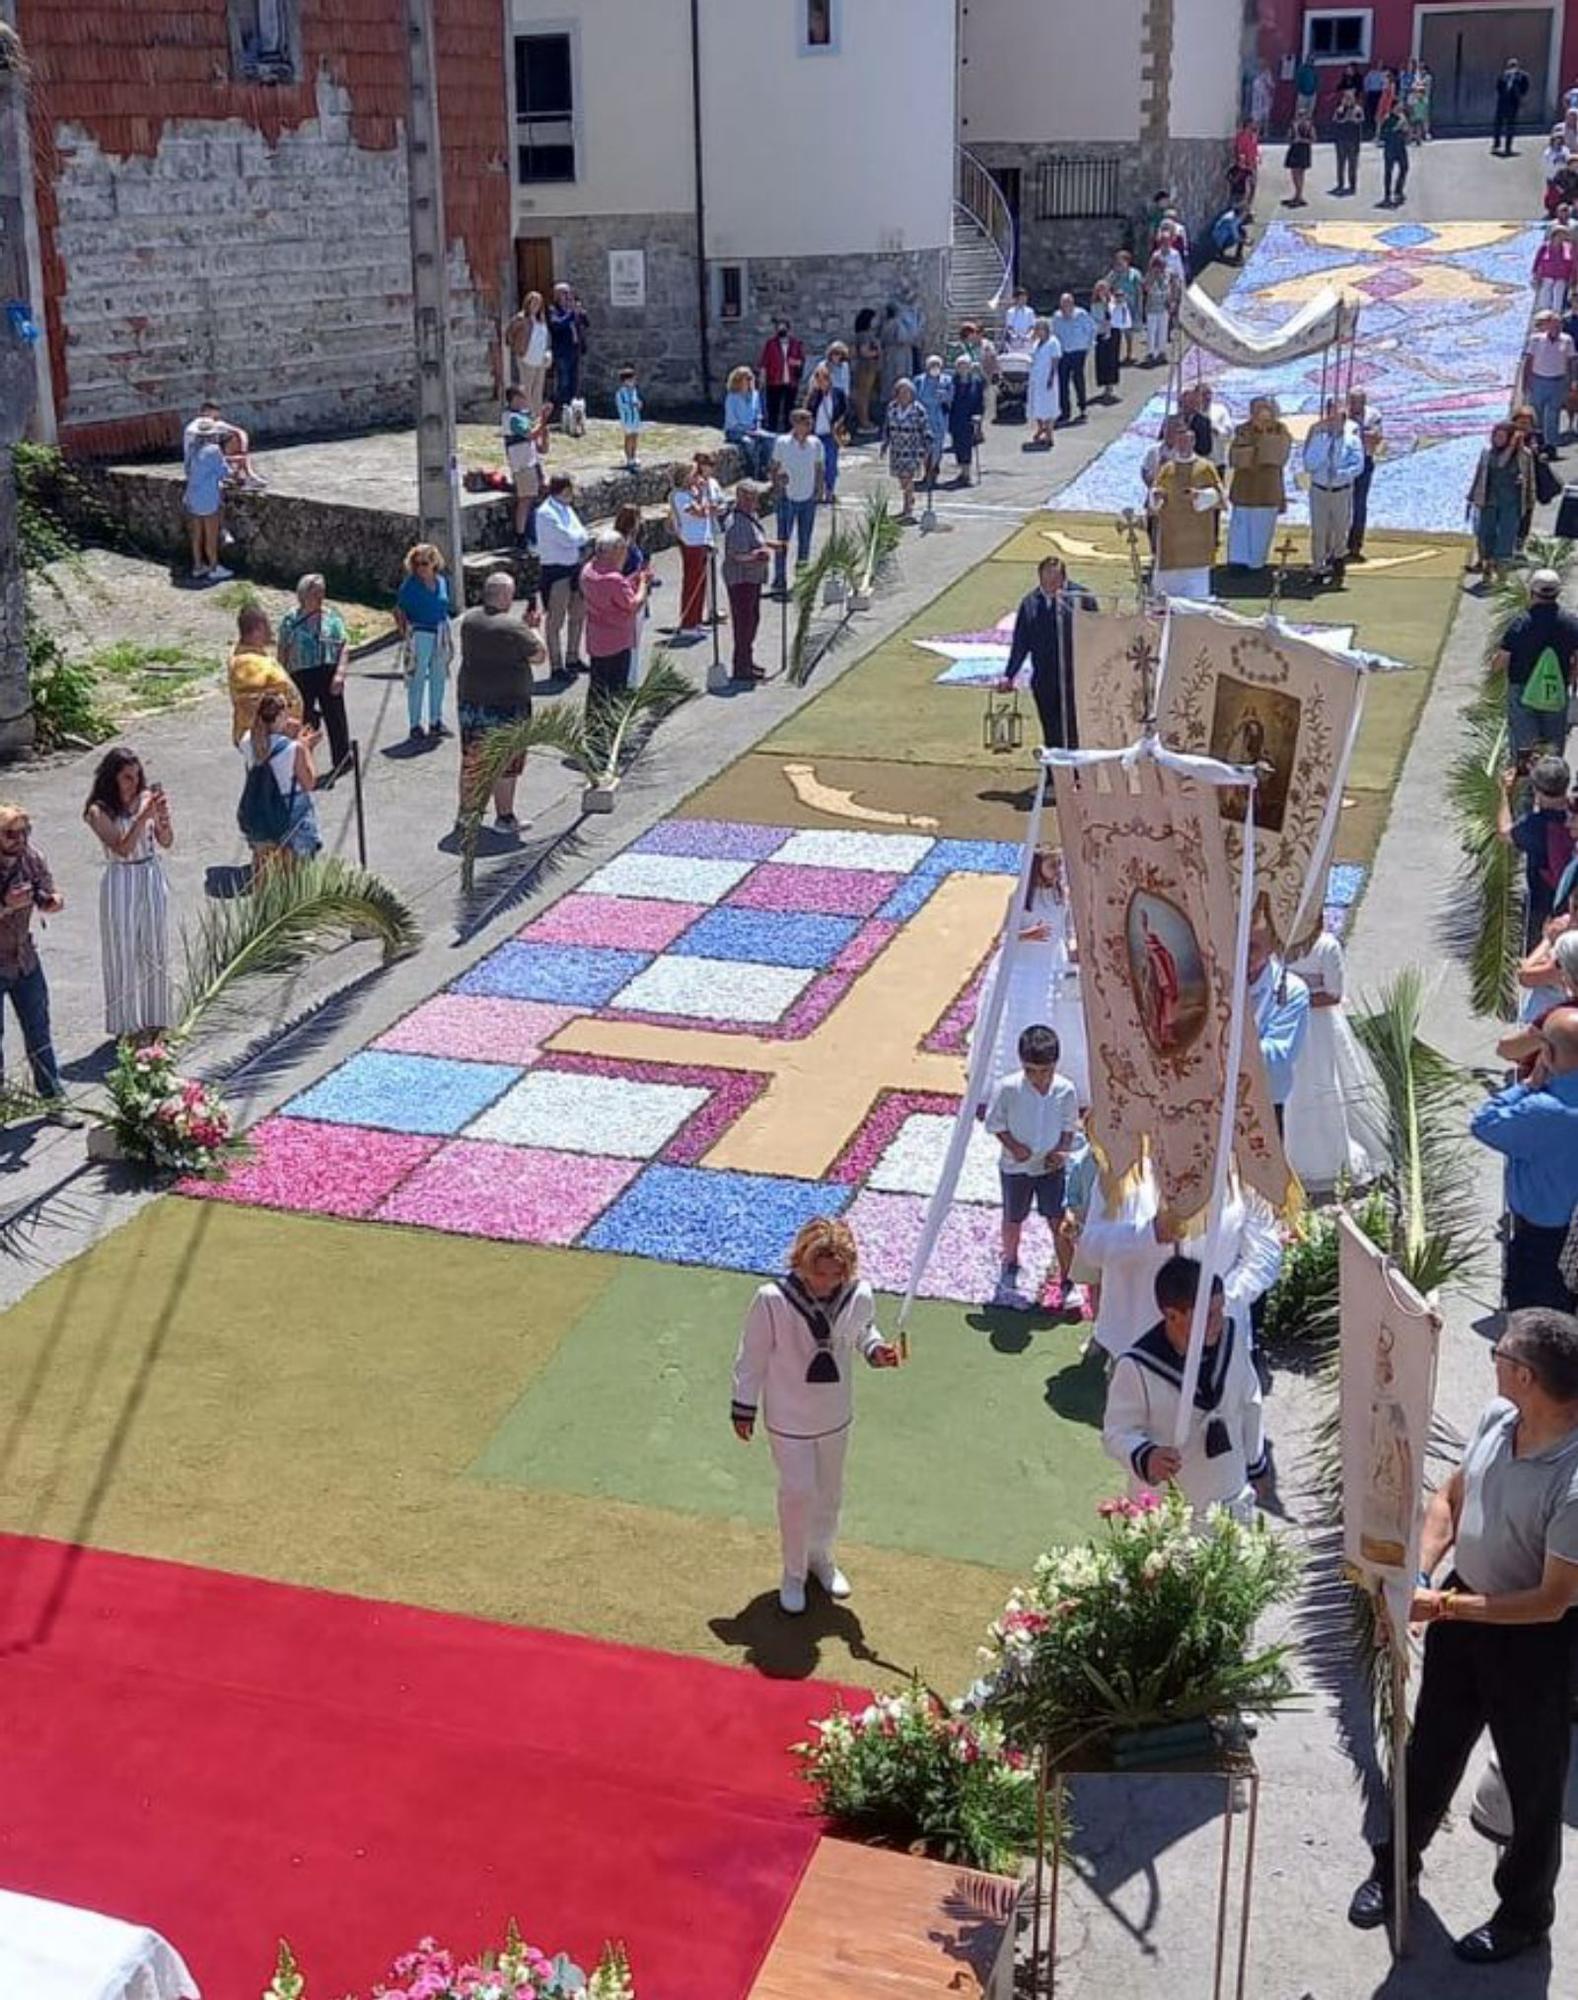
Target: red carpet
232	1761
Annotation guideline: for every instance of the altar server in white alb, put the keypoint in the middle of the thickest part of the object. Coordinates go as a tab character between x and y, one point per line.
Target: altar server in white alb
1223	1461
1127	1244
795	1364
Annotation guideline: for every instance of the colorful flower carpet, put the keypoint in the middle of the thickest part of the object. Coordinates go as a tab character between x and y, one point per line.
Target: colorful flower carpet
1445	313
726	1029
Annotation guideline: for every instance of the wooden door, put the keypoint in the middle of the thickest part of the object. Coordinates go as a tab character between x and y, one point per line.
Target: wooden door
533	267
1467	50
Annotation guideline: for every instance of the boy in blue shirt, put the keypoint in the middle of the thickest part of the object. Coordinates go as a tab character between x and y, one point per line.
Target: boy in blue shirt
627	400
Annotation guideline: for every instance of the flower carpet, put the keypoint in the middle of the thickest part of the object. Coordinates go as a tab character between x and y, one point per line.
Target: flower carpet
1445	311
677	1061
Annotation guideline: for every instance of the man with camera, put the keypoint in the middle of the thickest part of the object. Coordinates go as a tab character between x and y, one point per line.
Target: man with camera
26	885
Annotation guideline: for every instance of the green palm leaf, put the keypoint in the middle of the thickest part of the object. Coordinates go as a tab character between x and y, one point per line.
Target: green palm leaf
841	555
291	914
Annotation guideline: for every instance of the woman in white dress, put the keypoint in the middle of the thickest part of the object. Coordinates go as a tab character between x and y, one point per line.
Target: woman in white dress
1043	985
132	820
1041	391
1334	1127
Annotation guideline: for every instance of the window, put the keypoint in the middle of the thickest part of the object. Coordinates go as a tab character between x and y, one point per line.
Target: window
731	291
544	108
819	27
265	41
1330	36
1072	185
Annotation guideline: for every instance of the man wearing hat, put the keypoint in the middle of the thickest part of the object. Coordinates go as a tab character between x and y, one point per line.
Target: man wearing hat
1544	629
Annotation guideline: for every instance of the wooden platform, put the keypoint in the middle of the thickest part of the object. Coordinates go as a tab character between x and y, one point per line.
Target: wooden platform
880	1924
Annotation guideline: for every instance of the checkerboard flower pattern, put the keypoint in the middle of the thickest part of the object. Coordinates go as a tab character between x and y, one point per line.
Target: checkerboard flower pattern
466	1116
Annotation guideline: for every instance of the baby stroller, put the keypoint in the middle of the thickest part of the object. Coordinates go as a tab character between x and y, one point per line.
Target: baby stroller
1013	385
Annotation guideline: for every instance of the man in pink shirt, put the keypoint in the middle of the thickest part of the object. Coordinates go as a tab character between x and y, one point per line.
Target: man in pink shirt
613	603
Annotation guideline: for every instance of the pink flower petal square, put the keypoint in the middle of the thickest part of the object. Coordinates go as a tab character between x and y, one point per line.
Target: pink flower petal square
477	1027
627	923
515	1194
964	1262
824	892
319	1169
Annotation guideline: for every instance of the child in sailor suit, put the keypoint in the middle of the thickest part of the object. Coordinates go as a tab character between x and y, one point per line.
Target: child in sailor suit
1223	1458
796	1362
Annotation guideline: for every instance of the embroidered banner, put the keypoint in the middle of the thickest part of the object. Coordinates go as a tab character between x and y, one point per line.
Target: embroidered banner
1387	1392
1251	693
1154	902
1114	655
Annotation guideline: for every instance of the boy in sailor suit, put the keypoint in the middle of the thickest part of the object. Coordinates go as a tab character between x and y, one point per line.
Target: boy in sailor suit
797	1351
1223	1461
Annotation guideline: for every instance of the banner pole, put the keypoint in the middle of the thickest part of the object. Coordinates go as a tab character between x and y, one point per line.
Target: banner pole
1397	1666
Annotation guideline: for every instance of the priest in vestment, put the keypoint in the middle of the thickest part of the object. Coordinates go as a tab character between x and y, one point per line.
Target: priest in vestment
1186	503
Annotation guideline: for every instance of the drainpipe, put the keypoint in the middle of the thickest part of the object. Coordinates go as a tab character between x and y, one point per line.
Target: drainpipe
702	289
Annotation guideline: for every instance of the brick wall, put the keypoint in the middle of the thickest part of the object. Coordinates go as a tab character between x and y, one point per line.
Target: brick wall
203	235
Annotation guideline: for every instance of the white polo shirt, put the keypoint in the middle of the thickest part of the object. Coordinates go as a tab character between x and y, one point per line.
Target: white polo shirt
561	534
1039	1119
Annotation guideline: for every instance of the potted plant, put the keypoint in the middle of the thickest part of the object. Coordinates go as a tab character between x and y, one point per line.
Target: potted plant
1142	1638
910	1771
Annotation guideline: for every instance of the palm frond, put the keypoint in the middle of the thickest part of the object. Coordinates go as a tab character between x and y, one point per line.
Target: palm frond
290	915
621	732
1483	922
1510	593
879	537
1430	1180
559	729
841	556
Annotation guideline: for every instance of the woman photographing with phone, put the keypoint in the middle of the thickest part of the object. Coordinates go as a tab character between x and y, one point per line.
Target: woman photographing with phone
132	820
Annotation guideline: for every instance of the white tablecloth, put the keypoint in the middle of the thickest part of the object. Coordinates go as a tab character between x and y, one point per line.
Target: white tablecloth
49	1951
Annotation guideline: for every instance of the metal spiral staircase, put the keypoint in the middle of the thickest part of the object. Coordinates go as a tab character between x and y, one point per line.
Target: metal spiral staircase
981	258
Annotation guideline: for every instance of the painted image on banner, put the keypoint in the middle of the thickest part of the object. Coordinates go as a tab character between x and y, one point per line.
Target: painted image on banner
1166	971
1256	725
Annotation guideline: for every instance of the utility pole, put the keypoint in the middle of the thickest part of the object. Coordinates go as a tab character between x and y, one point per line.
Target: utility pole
437	486
18	389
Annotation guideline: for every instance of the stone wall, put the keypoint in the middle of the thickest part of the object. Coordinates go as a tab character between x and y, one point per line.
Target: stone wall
820	296
206	235
659	339
1070	253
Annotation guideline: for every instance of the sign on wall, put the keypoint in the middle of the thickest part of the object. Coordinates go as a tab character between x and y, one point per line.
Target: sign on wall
627	277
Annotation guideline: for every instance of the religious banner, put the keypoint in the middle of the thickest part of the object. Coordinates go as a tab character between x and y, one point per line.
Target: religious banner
1387	1392
1115	657
1155	901
1249	692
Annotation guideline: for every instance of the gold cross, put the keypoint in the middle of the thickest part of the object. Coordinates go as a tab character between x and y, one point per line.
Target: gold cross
821	1089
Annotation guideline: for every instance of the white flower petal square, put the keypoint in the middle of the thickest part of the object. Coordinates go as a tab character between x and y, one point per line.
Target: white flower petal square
912	1162
589	1114
714	989
671	878
892	853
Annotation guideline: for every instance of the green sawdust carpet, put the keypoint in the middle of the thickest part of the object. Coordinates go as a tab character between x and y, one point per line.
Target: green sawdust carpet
533	1435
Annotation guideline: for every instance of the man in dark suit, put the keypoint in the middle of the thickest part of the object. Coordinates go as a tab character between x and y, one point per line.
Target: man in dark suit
1044	635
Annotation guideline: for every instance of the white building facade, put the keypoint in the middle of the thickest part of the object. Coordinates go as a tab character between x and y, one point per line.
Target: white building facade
698	168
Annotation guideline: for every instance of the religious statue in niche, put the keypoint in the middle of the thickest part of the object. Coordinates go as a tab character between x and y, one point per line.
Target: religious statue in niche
263	40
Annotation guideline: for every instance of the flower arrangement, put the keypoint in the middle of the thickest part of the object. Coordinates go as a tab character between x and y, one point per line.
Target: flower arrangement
517	1972
912	1771
1152	1623
167	1121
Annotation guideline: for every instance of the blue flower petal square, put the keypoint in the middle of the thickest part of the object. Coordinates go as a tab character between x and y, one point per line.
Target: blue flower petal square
911	896
582	974
767	937
690	1215
405	1093
972	857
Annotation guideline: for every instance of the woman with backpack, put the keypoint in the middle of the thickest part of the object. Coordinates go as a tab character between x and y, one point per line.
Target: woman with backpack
276	814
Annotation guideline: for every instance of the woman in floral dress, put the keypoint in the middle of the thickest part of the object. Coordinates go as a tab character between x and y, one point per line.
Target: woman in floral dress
909	442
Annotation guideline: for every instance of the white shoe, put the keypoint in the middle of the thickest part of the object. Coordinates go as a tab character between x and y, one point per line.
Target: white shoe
831	1578
219	574
791	1595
